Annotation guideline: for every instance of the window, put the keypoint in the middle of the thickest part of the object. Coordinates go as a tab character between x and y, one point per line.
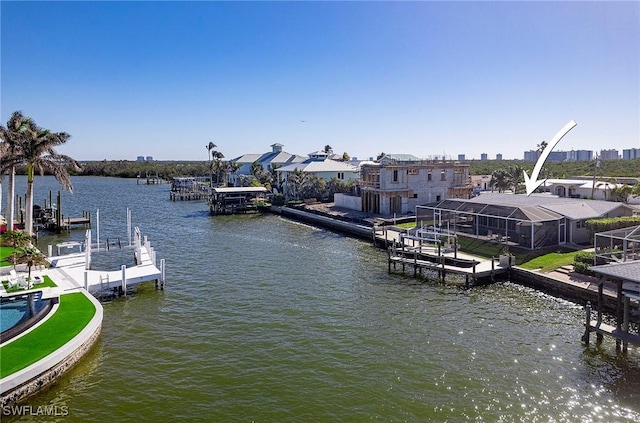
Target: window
412	171
415	195
429	176
395	176
340	175
438	197
443	175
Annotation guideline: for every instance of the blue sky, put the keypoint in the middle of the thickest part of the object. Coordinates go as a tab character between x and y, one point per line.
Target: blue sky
163	79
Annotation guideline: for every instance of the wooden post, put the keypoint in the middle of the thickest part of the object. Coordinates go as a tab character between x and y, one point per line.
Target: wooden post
599	336
619	311
389	258
403	257
587	323
625	323
58	212
415	263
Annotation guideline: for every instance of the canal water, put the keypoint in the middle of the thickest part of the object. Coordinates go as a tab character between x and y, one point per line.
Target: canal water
268	320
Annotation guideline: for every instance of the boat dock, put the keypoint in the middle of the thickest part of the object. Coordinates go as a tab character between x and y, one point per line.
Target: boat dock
231	200
75	269
190	188
626	276
445	263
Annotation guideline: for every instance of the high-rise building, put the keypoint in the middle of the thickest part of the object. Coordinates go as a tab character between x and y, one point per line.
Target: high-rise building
631	153
461	157
484	156
611	154
499	156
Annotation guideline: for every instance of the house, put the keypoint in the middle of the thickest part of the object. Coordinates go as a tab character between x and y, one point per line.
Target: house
274	159
480	183
400	182
320	166
535	221
581	188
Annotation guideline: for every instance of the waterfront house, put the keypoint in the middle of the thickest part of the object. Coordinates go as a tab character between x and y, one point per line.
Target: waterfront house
275	158
586	188
398	183
535	221
319	165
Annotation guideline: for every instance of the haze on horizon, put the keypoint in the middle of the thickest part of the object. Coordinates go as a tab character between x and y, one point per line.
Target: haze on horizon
163	79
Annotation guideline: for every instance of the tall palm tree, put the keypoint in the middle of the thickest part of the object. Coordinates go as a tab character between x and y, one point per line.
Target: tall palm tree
37	150
10	157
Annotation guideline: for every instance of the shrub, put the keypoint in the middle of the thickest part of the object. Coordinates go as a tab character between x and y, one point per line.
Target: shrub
581	267
583	257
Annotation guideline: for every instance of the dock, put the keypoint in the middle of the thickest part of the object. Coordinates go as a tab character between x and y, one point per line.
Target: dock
443	263
626	276
75	269
187	188
232	200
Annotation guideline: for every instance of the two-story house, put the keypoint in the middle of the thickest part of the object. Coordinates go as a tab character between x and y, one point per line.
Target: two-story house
400	182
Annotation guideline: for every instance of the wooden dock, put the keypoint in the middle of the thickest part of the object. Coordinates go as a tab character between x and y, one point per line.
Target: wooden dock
626	275
185	194
425	258
232	200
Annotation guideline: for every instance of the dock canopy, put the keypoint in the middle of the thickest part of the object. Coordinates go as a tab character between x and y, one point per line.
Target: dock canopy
230	200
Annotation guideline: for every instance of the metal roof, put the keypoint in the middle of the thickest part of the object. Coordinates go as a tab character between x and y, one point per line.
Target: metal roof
228	190
531	213
327	165
628	271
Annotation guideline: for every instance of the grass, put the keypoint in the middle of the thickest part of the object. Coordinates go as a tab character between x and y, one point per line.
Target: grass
407	225
74	313
46	282
5	253
550	261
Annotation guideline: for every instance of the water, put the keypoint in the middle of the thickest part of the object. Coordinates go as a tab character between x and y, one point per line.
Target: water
11	313
269	320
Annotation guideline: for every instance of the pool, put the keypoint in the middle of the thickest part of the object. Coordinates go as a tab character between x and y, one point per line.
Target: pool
16	314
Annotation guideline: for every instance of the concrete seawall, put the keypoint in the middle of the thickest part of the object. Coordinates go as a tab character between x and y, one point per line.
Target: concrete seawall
577	293
359	231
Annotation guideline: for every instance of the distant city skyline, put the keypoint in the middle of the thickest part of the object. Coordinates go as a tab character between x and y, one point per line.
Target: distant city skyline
422	78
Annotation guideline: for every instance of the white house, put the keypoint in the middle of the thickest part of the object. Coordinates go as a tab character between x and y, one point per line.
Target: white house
320	166
275	158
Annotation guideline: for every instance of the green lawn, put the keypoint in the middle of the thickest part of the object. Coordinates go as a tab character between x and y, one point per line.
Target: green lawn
74	313
46	282
550	261
5	252
407	225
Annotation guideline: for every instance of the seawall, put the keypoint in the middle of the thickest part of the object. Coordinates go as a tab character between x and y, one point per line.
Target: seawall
359	231
576	293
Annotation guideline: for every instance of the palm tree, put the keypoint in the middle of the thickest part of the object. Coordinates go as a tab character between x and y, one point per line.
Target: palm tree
499	180
10	157
32	256
36	149
17	239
